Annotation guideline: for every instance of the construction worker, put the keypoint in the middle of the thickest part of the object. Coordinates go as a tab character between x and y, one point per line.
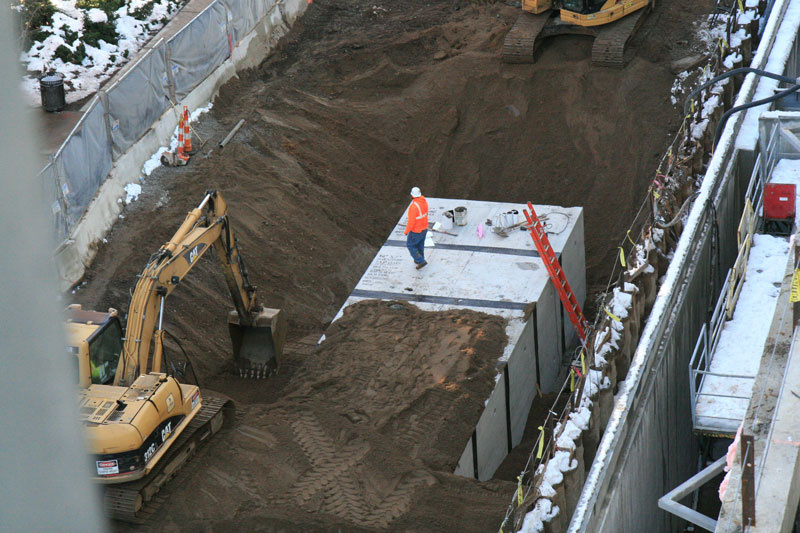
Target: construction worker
417	227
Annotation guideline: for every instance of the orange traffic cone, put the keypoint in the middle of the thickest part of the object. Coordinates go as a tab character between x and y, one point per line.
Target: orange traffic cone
181	155
187	132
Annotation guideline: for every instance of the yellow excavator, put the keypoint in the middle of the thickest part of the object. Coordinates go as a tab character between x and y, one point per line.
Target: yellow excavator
611	22
142	423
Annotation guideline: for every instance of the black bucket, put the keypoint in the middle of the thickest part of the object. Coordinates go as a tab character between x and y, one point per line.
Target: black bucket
52	90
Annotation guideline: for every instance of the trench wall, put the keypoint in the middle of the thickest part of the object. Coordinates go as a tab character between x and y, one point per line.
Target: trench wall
649	446
534	364
128	120
625	437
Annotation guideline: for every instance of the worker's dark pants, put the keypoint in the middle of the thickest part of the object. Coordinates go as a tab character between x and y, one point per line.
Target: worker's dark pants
416	245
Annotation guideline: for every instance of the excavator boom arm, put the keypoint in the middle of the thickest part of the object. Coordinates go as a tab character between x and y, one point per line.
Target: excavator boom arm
205	226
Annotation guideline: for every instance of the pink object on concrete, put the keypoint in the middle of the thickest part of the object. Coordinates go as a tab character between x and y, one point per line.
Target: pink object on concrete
480	230
730	458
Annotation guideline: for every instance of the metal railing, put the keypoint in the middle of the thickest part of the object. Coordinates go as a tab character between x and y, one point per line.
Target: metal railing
700	363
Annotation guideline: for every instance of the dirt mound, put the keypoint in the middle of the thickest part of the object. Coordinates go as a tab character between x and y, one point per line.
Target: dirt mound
366	433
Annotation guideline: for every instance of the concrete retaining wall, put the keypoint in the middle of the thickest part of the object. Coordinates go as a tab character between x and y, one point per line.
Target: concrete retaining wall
535	364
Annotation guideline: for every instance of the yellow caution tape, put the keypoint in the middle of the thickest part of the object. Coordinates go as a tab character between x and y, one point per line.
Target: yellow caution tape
611	315
629	238
622	257
571	379
519	491
741	7
692	108
541	443
656	195
795	294
583	362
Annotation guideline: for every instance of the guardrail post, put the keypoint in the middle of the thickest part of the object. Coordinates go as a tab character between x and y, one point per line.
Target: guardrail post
748	481
795	305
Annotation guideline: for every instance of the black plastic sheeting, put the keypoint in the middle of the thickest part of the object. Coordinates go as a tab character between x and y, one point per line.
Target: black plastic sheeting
138	100
51	192
83	162
199	49
244	15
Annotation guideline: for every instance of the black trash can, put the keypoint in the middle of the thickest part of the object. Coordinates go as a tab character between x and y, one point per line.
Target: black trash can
52	89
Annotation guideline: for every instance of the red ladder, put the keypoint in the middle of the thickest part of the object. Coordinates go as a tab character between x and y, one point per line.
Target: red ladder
556	273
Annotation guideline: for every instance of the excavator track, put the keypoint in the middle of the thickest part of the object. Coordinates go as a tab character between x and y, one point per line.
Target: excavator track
135	501
520	42
609	45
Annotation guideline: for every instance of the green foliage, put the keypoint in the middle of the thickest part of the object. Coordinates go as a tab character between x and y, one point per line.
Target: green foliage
143	12
69	56
69	36
37	13
32	15
94	31
108	6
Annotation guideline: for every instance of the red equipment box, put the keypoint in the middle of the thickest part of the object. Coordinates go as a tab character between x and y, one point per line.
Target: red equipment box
779	201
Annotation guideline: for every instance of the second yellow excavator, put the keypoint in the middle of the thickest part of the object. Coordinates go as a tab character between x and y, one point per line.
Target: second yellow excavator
611	22
143	423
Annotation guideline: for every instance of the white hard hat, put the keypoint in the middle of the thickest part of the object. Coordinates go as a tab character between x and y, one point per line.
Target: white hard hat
415	192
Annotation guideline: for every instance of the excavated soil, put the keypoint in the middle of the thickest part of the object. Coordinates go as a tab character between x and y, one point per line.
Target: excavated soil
366	425
362	101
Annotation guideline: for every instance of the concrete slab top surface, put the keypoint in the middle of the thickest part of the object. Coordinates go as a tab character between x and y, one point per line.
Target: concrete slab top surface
492	274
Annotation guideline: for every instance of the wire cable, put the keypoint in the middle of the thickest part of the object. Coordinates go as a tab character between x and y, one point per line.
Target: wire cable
189	361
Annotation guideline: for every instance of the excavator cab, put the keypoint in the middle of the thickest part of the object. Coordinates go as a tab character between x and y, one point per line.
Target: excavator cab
585	7
96	340
257	341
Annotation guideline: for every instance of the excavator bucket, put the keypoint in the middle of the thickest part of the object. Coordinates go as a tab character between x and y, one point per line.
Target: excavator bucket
257	341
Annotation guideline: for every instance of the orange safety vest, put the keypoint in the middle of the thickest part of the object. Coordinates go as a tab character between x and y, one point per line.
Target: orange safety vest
417	215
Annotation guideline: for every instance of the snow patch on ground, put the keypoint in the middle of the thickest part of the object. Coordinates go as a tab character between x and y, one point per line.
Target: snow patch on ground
155	160
132	192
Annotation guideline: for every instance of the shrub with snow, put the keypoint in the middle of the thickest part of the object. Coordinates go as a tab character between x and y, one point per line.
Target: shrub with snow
84	40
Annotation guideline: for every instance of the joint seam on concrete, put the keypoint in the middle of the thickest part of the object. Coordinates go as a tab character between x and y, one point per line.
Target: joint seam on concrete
424	298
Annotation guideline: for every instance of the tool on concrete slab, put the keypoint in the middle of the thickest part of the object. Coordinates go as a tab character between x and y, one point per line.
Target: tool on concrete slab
504	231
503	223
230	135
437	228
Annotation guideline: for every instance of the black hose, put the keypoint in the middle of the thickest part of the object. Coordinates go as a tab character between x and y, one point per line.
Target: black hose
728	113
740	70
677	216
191	366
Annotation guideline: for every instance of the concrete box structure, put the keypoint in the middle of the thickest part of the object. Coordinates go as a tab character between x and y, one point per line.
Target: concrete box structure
498	275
